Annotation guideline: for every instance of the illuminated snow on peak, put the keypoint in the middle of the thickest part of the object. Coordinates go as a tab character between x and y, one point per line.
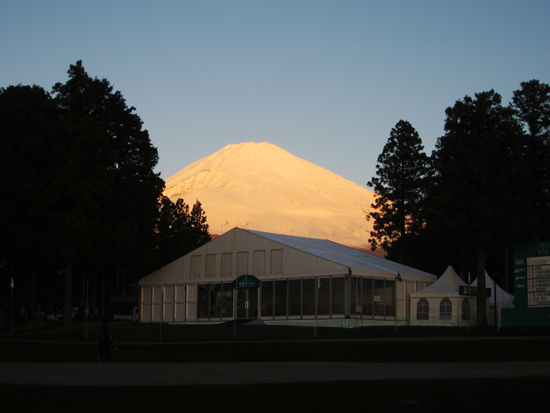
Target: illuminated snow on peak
262	187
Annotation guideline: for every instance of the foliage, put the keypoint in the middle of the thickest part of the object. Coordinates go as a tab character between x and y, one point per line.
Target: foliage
27	120
532	103
478	167
400	186
532	106
488	186
478	171
79	192
179	229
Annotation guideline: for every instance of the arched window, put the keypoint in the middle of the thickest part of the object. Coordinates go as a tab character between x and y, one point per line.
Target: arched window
465	309
445	309
422	309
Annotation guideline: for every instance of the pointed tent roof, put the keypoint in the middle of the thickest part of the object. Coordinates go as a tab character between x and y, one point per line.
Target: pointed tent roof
503	298
447	284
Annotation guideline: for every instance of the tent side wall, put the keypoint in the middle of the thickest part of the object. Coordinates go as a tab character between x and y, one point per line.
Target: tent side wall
198	286
462	311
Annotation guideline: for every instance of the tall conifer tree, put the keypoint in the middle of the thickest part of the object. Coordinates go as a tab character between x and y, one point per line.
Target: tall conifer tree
478	170
400	186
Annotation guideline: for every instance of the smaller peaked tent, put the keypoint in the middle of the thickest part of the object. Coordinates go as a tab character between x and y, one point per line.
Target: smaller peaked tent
503	299
440	304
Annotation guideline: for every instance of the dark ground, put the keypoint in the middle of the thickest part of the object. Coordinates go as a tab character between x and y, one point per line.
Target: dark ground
214	344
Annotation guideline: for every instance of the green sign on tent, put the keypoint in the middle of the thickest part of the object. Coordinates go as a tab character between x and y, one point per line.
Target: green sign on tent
471	291
246	281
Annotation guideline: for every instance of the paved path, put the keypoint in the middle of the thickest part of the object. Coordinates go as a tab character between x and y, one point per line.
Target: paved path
167	374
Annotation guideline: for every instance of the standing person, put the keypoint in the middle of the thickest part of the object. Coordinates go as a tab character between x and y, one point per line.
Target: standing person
104	343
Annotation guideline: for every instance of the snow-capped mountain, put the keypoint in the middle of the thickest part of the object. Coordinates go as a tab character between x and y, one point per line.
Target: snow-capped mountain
263	187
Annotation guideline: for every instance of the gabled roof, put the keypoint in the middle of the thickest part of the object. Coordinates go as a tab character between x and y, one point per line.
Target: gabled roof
449	282
503	298
360	263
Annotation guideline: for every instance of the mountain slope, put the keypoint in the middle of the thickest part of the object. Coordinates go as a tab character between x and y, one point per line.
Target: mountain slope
261	186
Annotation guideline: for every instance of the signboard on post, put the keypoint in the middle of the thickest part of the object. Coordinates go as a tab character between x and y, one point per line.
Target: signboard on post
246	281
471	291
242	282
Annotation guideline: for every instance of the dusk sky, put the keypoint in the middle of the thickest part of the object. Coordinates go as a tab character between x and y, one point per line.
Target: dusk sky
324	80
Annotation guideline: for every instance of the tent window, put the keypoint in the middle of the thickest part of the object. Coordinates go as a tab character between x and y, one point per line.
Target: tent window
445	309
367	296
267	298
227	292
227	264
294	297
210	267
281	287
216	302
338	296
202	301
259	262
242	263
466	309
195	266
308	296
323	296
389	293
422	309
378	297
276	262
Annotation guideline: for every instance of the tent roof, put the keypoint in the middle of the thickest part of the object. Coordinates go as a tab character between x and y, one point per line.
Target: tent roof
503	298
360	262
449	282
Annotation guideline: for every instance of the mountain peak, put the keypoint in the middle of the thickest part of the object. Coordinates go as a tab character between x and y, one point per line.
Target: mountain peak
263	187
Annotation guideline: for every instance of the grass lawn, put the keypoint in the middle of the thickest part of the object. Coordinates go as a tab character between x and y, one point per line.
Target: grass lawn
215	344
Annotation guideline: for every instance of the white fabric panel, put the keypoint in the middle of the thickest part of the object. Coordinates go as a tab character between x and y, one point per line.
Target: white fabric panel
276	262
227	265
168	316
259	262
210	268
242	263
156	306
179	304
191	302
195	270
146	295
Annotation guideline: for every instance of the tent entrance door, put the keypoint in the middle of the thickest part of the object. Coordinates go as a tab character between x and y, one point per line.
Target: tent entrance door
247	303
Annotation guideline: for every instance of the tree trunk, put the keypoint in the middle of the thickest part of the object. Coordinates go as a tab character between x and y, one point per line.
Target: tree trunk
481	297
68	293
462	265
506	284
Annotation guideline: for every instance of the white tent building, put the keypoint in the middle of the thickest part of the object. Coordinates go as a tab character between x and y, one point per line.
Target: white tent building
302	280
503	299
440	304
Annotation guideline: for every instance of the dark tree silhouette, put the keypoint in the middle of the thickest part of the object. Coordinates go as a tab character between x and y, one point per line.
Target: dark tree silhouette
478	169
532	106
179	229
103	198
27	120
400	187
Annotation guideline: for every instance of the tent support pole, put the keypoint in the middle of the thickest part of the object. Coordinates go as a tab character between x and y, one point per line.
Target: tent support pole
234	314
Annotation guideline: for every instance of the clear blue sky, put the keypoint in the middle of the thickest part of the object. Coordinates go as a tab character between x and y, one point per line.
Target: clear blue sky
325	80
